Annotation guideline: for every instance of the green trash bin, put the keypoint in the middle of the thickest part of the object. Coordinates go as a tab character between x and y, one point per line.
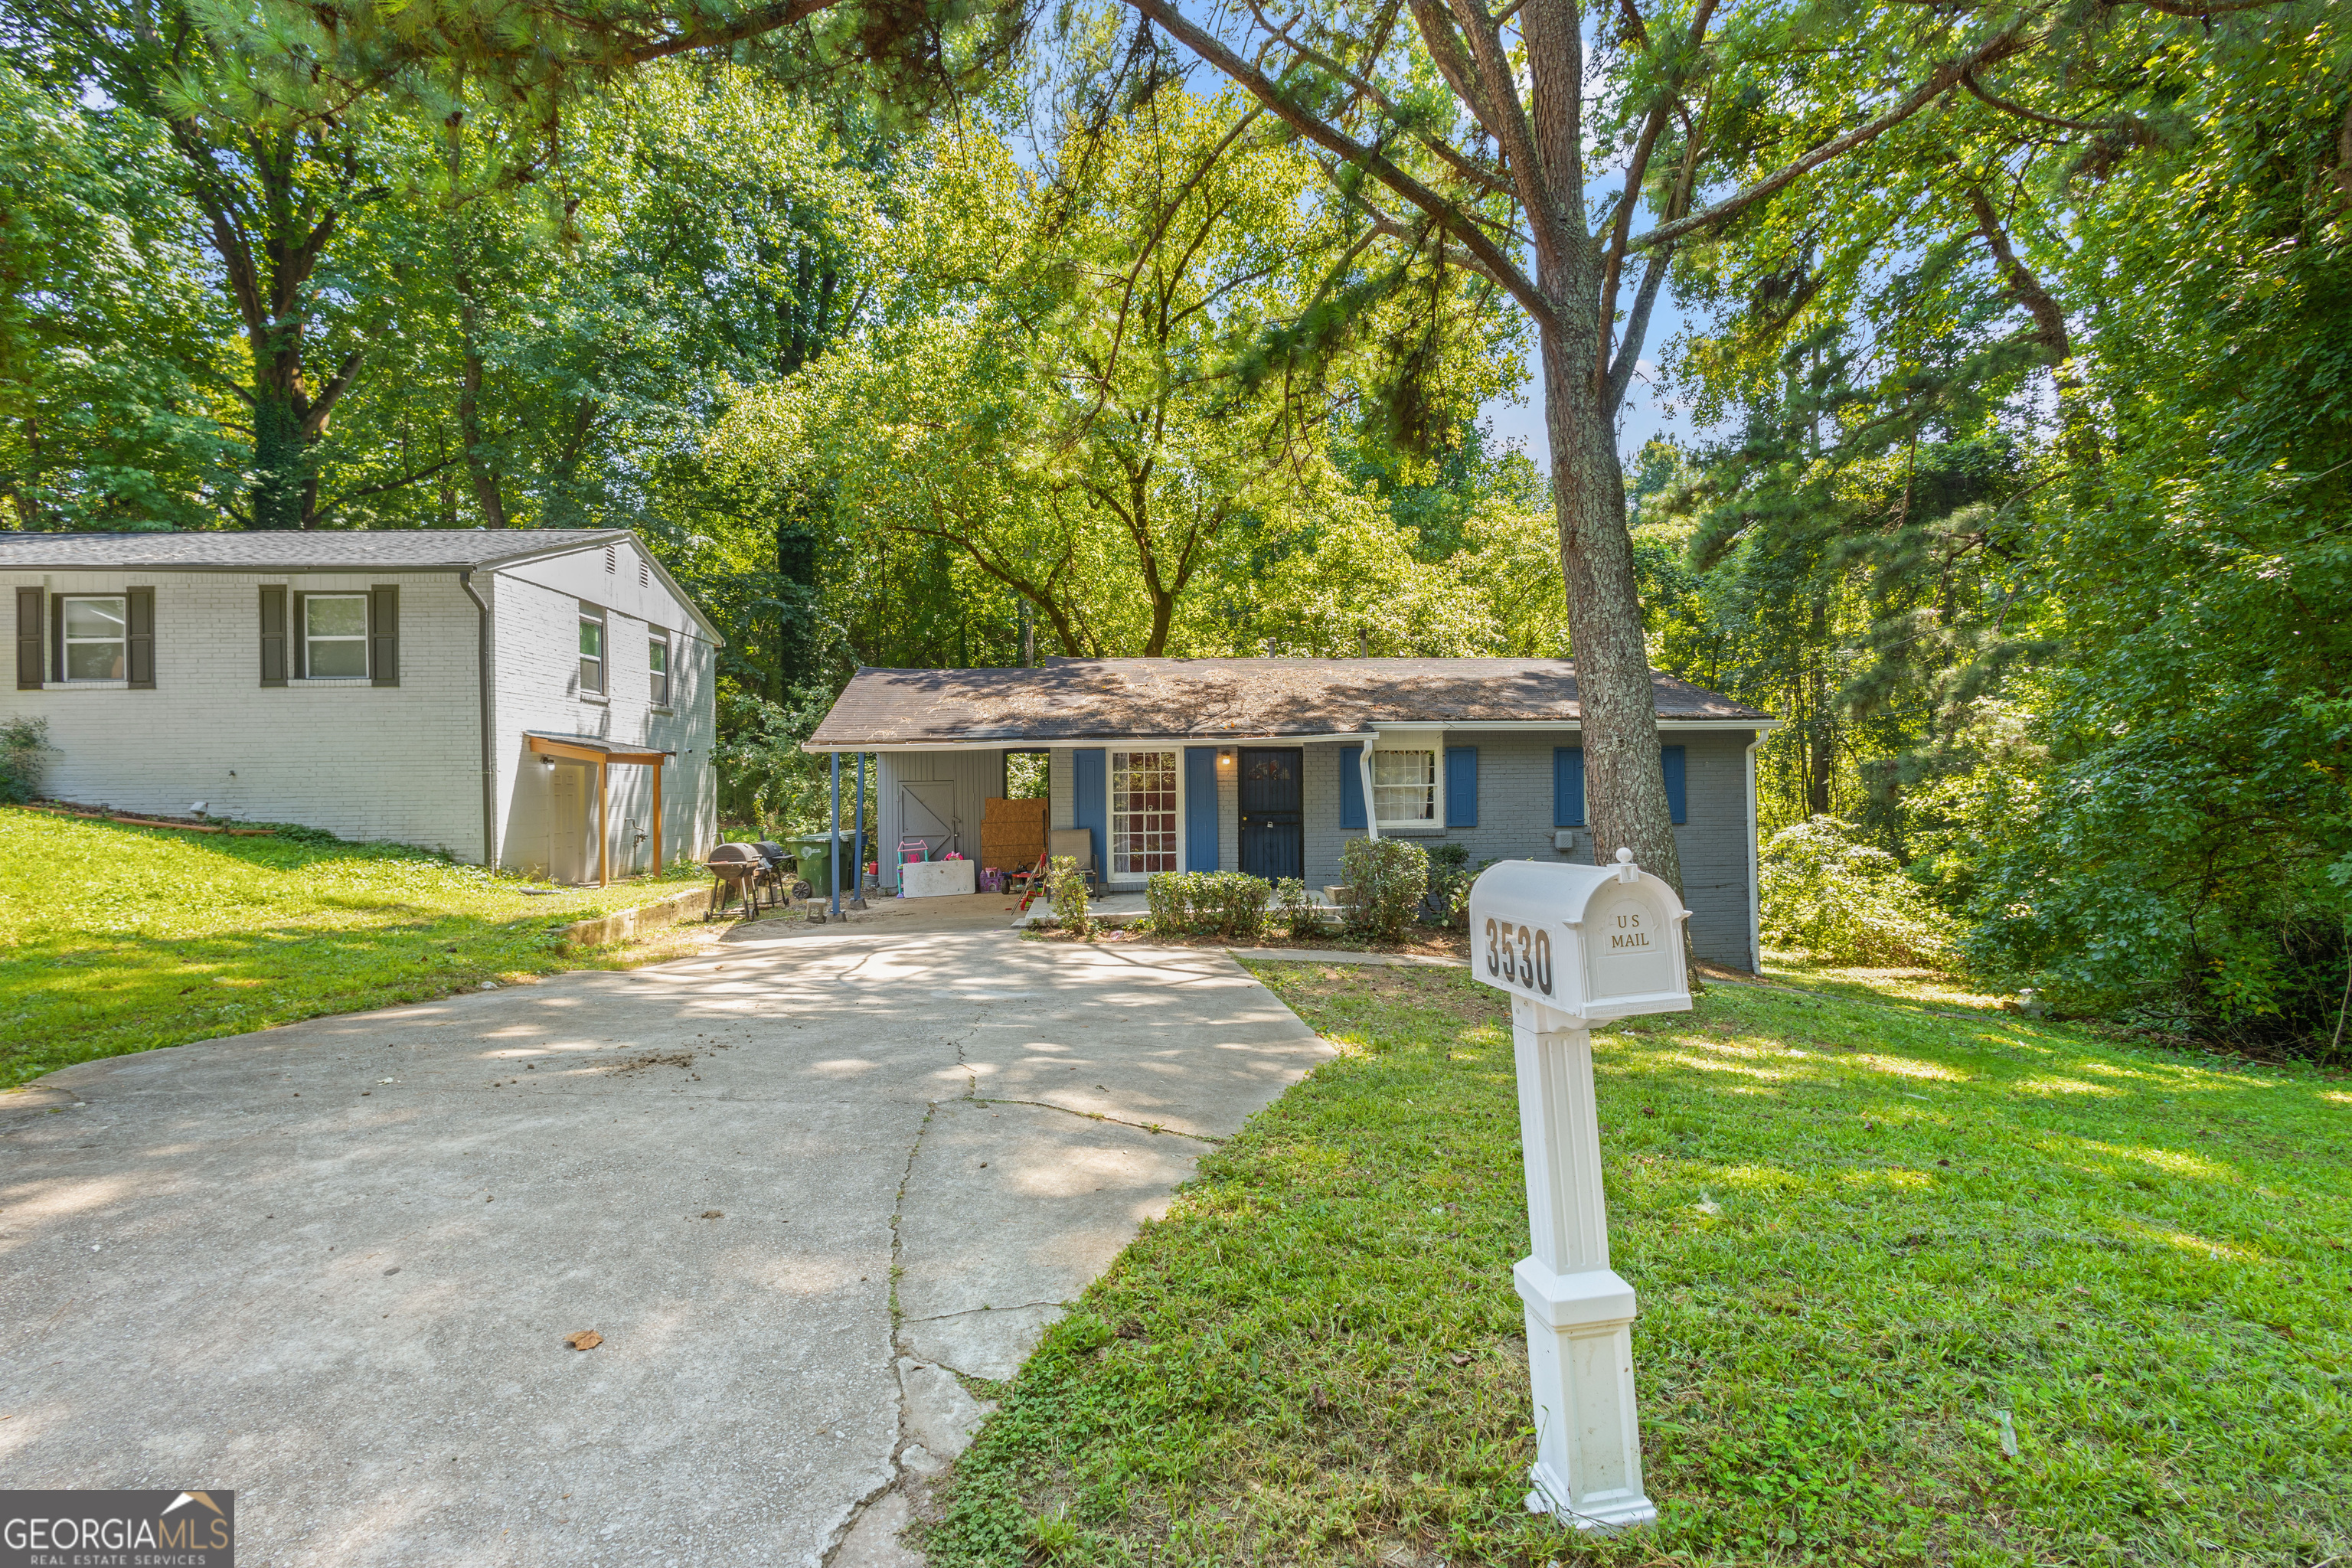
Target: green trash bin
813	854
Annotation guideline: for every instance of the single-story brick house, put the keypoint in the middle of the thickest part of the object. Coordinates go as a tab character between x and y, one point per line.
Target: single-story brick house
537	699
1261	765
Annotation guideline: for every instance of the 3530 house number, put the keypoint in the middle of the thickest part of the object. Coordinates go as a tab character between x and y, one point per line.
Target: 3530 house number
1520	953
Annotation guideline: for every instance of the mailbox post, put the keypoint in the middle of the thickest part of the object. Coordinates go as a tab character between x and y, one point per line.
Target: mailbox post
1575	946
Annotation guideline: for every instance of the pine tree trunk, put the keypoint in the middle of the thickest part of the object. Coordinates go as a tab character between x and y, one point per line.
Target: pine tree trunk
1821	729
1625	785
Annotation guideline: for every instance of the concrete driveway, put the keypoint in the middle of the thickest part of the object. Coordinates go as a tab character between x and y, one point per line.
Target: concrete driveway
333	1266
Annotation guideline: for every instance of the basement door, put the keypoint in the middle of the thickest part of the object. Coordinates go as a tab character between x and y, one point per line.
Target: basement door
1274	831
567	824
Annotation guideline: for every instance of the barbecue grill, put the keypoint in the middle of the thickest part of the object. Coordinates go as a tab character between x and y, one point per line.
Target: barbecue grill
740	870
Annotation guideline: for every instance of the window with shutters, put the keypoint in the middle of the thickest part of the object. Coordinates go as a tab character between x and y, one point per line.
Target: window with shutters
658	667
334	636
591	653
1404	787
95	636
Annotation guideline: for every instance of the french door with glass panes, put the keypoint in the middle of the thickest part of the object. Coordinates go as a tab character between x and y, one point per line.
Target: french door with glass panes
1142	814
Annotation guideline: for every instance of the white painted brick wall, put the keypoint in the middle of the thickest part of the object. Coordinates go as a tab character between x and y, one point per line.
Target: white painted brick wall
402	763
399	762
537	688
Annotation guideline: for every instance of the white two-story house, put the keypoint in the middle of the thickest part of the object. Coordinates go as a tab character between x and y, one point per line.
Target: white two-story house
540	700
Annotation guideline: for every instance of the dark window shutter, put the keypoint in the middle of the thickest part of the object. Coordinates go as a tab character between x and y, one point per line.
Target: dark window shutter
28	639
1568	787
1670	759
1352	787
1461	786
301	642
139	613
273	637
383	636
56	636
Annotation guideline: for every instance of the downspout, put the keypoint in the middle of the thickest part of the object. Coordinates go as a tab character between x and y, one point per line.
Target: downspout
490	728
1364	770
1755	901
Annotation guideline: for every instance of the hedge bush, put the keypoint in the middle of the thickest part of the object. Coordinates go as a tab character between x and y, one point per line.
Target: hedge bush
1387	878
24	755
1208	903
1295	907
1073	906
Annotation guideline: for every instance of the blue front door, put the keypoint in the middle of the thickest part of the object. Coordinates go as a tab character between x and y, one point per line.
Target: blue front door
1274	827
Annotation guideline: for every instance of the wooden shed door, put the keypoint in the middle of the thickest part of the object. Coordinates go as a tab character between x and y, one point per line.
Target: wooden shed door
1273	832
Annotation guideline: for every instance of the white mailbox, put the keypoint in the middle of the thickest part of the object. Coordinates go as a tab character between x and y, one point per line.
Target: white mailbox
1574	946
1595	942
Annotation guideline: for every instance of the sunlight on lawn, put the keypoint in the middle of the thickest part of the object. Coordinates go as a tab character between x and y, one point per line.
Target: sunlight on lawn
1847	1284
122	939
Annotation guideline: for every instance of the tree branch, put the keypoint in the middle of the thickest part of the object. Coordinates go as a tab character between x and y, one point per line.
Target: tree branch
2000	46
1614	265
1458	161
1967	80
314	418
327	508
1496	265
1637	327
2049	321
766	19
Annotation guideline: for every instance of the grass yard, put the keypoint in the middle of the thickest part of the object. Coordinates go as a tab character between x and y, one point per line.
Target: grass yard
1865	1220
118	939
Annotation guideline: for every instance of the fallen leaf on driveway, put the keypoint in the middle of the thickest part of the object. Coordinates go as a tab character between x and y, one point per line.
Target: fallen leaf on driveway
712	1214
585	1340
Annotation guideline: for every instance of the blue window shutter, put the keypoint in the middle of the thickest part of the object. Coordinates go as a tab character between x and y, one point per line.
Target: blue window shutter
1461	786
1090	801
1670	758
1352	787
1568	787
1200	808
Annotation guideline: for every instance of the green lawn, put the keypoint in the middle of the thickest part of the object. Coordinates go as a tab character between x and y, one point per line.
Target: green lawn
118	939
1862	1228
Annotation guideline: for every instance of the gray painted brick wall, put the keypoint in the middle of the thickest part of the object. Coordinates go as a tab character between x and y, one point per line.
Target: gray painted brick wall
1514	817
1515	822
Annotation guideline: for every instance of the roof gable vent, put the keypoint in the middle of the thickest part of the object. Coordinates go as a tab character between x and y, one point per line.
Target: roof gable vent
645	574
608	558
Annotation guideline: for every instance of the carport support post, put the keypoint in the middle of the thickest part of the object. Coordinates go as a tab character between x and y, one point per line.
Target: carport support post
857	861
835	842
1588	1468
603	834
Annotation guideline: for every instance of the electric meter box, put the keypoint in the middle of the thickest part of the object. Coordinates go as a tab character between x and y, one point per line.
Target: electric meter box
1594	942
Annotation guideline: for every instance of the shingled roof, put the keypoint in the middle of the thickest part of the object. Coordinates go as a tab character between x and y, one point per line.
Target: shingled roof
306	550
1071	699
